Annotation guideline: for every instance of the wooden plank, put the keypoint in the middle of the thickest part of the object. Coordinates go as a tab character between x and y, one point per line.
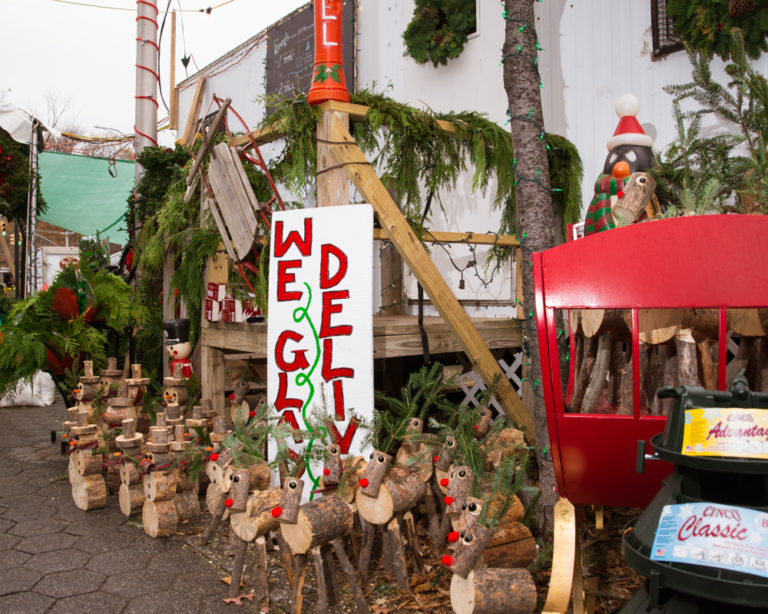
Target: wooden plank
190	129
395	346
173	112
231	164
408	325
229	205
332	183
213	207
212	376
359	170
471	238
217	271
255	204
236	336
207	140
169	300
563	559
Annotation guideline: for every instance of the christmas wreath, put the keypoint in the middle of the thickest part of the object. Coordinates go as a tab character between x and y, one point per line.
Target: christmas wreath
439	29
706	25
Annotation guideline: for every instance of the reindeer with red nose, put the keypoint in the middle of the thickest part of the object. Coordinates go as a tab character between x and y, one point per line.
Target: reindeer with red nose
317	528
479	590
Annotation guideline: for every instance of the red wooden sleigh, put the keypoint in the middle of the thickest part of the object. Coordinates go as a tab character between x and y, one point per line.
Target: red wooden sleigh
717	262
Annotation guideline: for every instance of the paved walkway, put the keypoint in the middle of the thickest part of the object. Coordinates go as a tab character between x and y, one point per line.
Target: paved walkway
55	558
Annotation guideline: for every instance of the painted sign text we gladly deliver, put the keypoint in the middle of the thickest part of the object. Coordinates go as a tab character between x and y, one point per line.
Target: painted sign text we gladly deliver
320	323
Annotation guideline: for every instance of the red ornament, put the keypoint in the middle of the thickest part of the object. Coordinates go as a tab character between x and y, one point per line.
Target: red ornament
620	193
229	502
447	560
326	471
364	482
252	414
453	536
444	482
448	500
214	457
276	511
474	426
436	458
231	396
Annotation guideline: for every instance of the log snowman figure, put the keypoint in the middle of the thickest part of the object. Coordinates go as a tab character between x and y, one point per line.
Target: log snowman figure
476	589
89	490
317	528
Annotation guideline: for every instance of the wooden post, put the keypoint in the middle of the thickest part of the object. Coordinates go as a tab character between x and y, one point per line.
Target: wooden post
359	170
332	183
173	112
212	376
190	129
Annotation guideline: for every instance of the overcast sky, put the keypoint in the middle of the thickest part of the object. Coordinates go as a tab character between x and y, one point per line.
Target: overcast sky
84	56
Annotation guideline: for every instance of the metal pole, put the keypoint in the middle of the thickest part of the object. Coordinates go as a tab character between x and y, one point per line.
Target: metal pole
147	78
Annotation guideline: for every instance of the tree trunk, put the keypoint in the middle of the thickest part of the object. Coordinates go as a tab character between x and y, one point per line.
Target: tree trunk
535	211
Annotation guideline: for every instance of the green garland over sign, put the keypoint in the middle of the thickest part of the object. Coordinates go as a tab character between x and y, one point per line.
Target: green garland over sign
439	29
706	25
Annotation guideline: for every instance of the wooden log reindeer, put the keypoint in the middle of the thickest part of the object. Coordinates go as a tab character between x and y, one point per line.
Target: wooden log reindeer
314	528
385	496
478	590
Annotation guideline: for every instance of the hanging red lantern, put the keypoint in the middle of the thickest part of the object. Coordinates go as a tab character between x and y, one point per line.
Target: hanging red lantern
328	82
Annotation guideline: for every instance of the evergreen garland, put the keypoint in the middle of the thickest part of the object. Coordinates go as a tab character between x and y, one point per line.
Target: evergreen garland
706	26
414	157
439	29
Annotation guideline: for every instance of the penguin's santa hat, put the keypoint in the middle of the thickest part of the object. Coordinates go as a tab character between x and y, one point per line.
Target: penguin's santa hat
629	131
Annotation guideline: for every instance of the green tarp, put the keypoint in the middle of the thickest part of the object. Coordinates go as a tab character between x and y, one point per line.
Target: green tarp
83	197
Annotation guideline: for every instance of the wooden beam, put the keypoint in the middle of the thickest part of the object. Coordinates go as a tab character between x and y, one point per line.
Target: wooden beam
173	112
563	559
190	130
332	183
207	140
368	183
472	238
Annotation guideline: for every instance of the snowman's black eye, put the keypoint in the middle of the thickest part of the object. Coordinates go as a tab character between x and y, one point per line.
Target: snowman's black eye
641	180
371	457
472	507
291	484
463	507
468	538
236	478
462	473
415	423
333	450
380	459
463	533
482	413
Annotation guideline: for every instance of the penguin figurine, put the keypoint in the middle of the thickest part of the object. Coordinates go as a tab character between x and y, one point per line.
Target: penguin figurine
629	151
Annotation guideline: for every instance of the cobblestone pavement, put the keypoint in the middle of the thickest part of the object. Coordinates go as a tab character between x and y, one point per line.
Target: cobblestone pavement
55	558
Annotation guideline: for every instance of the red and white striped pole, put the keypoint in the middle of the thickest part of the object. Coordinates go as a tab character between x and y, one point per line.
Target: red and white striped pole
147	78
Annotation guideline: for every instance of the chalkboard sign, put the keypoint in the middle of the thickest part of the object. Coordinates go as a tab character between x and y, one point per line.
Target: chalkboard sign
291	51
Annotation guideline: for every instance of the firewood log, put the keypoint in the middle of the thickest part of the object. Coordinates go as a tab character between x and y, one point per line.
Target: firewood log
131	498
400	490
187	505
494	591
159	486
638	190
512	545
319	522
89	492
257	519
159	518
